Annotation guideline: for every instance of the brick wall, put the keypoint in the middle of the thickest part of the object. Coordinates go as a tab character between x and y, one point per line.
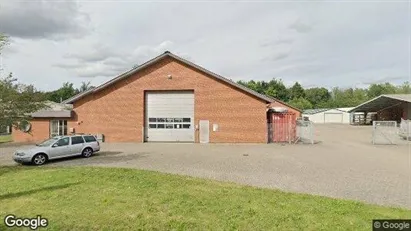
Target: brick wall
118	110
39	131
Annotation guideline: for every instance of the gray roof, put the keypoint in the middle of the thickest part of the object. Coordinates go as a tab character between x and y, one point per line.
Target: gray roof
315	111
381	102
402	97
52	114
345	109
169	54
53	110
51	105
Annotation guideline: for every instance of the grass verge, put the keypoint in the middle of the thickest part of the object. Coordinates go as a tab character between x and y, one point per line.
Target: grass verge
83	198
5	138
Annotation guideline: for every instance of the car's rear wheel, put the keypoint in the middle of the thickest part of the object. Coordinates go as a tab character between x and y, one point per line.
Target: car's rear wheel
39	159
87	152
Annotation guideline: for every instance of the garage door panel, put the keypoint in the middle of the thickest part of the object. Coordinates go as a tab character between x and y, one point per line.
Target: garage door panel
170	116
168	135
333	117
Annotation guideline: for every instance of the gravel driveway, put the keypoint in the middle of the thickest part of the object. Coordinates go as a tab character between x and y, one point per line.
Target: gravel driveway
343	165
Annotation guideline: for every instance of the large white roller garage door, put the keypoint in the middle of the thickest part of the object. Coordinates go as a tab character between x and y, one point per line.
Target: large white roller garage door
333	118
169	116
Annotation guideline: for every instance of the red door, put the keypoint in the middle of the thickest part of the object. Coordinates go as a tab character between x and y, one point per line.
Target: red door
283	127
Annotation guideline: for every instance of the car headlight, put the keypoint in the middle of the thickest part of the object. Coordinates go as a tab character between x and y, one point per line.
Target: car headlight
20	154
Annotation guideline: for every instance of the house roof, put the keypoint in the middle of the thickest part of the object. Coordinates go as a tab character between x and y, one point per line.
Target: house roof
381	102
345	109
169	54
52	114
53	110
319	110
315	111
402	97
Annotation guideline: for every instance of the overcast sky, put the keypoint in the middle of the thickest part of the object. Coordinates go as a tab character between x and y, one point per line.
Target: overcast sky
346	44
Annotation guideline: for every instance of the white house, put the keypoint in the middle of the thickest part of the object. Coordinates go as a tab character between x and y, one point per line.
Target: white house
326	115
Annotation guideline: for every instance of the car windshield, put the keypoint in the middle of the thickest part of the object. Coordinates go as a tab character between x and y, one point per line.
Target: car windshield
47	142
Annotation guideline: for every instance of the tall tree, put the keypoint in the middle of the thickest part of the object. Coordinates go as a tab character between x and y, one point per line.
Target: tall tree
85	86
405	88
3	41
379	89
317	96
301	103
277	89
17	102
65	92
274	88
297	91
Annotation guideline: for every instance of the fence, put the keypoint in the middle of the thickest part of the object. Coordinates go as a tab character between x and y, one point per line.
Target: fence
285	128
405	129
385	132
305	132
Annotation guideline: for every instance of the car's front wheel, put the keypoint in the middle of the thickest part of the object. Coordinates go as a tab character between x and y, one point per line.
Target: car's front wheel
87	152
39	159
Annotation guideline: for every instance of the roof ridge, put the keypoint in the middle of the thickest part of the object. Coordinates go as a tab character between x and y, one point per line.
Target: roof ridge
169	54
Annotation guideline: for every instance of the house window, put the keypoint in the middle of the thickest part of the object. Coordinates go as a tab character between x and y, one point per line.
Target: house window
58	128
169	123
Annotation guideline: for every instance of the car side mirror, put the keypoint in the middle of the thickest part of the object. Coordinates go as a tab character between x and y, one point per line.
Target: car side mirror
54	145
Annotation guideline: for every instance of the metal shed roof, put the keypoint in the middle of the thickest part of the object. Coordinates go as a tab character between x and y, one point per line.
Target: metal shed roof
315	111
381	102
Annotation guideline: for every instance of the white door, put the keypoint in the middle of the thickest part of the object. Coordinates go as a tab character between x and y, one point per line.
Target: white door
169	116
204	131
333	118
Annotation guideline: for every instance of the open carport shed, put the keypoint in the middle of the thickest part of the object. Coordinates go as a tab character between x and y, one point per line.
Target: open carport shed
387	107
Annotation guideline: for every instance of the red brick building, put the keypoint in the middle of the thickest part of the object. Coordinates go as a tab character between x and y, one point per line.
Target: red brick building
166	99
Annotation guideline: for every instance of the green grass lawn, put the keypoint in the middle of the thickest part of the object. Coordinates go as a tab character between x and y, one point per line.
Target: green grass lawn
5	138
81	198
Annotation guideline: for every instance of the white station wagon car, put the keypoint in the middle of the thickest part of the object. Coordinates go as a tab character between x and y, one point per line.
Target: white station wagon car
58	147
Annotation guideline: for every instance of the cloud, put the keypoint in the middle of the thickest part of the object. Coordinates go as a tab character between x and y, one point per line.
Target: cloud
300	27
105	61
384	80
11	47
43	19
67	65
145	51
279	56
294	41
278	41
99	70
98	52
